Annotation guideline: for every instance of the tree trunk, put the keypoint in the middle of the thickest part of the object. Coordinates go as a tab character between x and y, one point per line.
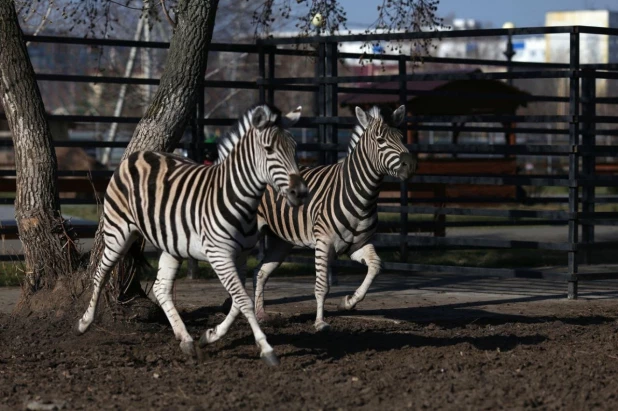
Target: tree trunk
47	243
166	118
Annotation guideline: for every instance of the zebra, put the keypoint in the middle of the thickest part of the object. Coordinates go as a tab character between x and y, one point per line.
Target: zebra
341	215
207	213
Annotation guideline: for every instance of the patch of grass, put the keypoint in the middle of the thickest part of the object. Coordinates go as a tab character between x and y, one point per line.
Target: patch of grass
498	258
491	258
87	212
11	273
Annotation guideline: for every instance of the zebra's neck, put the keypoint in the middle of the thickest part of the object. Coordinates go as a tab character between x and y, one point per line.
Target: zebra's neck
362	179
239	175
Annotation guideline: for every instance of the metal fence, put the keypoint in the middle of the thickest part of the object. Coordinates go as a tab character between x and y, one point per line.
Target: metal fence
579	126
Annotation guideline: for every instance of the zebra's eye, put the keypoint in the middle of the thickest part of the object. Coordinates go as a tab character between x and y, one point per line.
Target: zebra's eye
380	140
269	149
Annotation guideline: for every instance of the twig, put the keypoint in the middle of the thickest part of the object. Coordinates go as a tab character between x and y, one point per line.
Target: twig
379	319
99	328
43	20
172	22
182	392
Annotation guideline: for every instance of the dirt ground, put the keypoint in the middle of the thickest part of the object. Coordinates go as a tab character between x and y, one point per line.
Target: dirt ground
416	342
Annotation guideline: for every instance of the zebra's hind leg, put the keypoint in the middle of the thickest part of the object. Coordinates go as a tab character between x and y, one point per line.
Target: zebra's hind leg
115	248
276	251
366	255
162	289
323	260
241	302
214	334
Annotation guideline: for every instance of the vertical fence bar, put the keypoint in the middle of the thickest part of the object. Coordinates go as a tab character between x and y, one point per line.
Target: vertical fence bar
331	110
588	129
321	100
261	73
403	98
262	97
270	99
334	98
197	155
330	99
573	159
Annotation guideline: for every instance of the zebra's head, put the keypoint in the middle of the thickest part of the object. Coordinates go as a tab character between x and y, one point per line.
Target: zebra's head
276	153
383	142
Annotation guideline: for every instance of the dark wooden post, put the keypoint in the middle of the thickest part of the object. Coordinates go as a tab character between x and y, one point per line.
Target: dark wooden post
588	160
403	233
573	161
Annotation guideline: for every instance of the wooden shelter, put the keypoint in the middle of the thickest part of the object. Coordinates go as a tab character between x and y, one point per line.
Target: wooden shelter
446	97
451	98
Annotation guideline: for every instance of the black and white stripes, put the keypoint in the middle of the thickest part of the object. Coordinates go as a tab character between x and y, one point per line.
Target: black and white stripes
341	214
207	213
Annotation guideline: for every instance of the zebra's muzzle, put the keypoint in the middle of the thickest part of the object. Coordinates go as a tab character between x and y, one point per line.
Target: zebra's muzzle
297	190
407	166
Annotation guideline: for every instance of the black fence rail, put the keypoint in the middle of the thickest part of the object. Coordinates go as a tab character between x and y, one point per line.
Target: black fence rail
576	122
579	124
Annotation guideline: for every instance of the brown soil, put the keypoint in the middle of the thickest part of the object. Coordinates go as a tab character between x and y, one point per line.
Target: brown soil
388	354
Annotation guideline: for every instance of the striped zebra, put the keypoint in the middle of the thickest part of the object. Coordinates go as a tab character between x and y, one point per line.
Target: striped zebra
207	213
341	214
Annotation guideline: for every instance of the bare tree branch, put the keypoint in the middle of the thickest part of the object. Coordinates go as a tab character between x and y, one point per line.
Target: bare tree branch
172	22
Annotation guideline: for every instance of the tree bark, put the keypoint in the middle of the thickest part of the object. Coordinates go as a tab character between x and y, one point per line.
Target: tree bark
49	249
166	118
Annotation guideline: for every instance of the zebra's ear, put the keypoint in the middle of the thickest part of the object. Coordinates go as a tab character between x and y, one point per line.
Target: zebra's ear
362	117
291	118
260	118
398	115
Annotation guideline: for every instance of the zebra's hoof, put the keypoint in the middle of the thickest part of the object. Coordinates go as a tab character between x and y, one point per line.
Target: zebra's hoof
322	327
270	358
208	337
203	342
188	347
344	304
80	329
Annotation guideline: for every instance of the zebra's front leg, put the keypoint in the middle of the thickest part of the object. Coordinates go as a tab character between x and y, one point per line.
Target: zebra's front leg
162	289
366	255
241	302
323	260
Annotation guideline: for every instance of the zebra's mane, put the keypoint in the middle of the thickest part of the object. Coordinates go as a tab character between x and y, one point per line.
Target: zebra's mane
358	130
229	140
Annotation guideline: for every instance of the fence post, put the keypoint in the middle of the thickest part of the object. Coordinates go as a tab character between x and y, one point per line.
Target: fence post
403	97
573	160
196	152
331	101
261	73
321	100
331	110
588	129
271	75
262	97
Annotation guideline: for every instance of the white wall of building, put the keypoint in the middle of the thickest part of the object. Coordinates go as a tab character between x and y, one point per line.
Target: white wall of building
594	49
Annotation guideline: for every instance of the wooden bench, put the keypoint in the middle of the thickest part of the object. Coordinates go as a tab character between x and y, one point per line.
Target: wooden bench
606	168
66	185
454	167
